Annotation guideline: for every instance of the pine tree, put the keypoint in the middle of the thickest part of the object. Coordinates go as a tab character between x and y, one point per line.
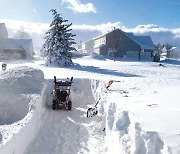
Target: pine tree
58	42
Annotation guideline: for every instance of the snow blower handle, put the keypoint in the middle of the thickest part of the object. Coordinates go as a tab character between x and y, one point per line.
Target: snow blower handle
54	79
70	81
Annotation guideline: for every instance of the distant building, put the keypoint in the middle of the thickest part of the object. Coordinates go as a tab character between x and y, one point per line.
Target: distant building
3	31
14	48
119	43
174	53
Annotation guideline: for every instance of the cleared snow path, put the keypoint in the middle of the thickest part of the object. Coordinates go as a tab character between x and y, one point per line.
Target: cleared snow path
67	132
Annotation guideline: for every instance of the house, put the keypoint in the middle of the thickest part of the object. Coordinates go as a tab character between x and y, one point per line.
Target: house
119	43
3	31
174	52
16	48
11	48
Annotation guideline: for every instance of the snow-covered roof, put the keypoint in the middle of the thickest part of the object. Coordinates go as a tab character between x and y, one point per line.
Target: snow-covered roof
3	31
103	35
10	43
144	41
129	33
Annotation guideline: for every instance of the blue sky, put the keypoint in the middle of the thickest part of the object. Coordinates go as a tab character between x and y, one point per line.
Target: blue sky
156	18
131	13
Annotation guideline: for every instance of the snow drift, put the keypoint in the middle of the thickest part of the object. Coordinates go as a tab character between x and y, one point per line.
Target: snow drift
20	89
15	85
123	132
36	128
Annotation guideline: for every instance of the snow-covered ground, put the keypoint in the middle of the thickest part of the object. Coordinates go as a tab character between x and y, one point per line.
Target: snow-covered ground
139	114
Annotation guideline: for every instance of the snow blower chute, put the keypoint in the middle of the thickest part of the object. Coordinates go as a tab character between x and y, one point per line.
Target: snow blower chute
61	94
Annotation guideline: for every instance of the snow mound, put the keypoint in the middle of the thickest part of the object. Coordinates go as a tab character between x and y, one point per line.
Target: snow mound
20	95
23	80
123	131
17	87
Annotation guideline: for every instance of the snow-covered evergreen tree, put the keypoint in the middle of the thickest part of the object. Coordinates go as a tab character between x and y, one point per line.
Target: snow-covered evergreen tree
58	42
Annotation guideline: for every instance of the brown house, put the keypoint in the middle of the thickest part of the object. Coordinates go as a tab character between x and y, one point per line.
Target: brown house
119	43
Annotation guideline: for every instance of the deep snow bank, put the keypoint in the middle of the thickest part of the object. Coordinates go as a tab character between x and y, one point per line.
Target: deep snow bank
15	85
21	88
123	132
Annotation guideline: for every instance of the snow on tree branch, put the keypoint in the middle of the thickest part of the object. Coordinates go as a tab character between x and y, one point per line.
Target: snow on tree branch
58	42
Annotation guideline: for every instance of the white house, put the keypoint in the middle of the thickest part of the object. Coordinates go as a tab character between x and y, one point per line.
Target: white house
16	48
3	31
11	48
175	53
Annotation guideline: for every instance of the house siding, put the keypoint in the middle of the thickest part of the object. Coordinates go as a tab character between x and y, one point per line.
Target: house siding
12	45
119	41
104	50
3	31
126	44
89	46
11	48
8	54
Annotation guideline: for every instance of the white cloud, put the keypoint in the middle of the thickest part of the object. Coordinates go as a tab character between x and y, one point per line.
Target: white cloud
103	28
77	6
158	34
87	32
29	27
34	10
177	33
148	28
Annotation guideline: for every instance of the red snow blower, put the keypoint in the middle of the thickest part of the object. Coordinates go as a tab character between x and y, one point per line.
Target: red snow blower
61	94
